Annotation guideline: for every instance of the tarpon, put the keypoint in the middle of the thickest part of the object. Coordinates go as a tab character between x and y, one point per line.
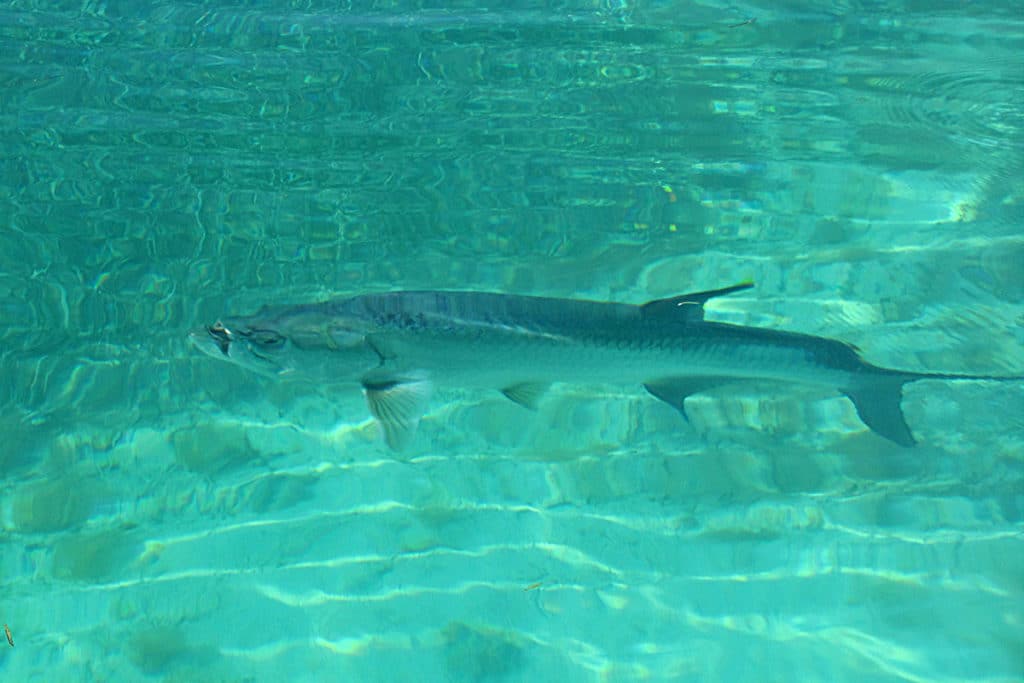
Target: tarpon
398	345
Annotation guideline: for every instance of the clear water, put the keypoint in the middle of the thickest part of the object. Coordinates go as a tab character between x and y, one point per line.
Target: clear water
166	517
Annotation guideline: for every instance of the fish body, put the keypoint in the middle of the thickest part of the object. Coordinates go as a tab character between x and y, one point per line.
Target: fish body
398	345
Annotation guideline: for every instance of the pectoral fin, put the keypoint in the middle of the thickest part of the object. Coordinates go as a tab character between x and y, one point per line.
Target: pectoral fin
526	394
398	406
878	404
674	390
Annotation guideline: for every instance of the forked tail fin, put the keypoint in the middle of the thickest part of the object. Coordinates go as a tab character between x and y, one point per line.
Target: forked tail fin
877	401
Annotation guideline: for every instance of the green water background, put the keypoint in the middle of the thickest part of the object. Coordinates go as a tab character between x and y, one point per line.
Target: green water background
166	517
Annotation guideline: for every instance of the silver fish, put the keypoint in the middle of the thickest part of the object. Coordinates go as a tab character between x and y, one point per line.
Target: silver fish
398	345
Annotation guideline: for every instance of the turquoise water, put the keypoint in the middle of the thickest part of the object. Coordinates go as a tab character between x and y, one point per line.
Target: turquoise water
166	517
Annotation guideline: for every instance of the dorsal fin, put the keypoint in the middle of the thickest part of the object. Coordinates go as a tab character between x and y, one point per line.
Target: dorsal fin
687	307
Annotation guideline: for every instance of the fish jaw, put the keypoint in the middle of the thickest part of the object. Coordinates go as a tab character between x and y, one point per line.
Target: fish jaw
213	341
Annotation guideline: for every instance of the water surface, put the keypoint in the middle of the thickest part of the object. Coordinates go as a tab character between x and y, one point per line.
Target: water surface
166	517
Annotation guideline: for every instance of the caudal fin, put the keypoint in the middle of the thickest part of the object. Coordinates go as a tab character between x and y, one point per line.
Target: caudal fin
877	400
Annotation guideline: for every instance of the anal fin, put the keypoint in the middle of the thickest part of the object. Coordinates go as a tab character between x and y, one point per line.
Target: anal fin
674	390
877	401
398	406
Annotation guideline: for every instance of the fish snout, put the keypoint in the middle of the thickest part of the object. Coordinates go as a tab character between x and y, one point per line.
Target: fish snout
213	340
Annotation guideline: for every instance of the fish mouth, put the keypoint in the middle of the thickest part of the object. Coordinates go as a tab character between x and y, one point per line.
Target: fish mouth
221	336
205	340
210	337
218	341
213	340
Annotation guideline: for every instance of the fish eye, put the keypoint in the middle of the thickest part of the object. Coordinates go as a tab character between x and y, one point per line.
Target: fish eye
218	331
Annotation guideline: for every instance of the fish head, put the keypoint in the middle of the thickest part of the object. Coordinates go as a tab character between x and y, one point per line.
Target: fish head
299	344
262	350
